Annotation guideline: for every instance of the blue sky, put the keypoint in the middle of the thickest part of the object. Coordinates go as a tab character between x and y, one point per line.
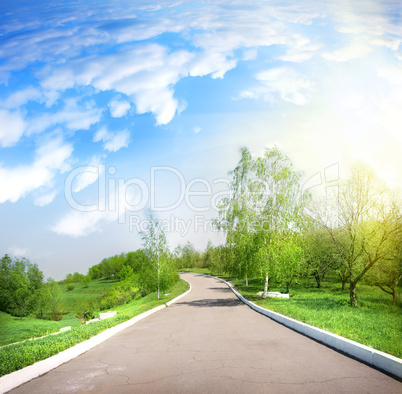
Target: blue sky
110	108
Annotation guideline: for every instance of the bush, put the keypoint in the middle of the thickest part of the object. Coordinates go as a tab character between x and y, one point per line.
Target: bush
85	281
70	287
120	294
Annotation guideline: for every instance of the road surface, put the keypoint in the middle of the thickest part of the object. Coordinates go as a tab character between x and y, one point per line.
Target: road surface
210	342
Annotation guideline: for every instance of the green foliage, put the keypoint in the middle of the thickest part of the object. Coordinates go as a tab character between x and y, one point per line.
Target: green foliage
85	280
321	255
94	272
84	311
48	301
266	206
159	274
387	274
120	294
19	280
288	257
70	287
126	273
364	220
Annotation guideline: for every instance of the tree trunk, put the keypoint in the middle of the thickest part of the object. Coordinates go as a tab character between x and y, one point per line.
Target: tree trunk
318	280
266	286
394	296
353	295
288	287
246	281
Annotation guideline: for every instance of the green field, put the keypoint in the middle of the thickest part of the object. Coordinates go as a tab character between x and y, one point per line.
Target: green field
92	294
18	356
377	322
14	329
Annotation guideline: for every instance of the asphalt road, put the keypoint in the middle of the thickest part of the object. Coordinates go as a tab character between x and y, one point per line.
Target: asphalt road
210	342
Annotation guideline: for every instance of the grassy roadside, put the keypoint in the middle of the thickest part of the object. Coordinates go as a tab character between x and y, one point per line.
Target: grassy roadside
377	322
14	329
15	357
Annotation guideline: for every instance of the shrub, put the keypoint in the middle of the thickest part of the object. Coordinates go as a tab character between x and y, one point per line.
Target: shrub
121	293
70	287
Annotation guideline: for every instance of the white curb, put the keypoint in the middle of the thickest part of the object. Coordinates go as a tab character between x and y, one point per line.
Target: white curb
376	358
15	379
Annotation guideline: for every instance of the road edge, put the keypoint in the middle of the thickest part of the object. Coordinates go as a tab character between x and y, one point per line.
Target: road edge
17	378
380	360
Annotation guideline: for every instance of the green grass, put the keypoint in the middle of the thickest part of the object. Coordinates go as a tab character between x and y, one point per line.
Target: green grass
18	356
70	299
377	322
15	329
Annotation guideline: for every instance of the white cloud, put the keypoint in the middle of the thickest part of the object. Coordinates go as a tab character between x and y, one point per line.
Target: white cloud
197	129
392	75
112	141
86	178
45	199
145	73
17	251
16	182
355	50
250	54
119	108
21	97
78	224
214	63
289	84
12	126
300	52
73	116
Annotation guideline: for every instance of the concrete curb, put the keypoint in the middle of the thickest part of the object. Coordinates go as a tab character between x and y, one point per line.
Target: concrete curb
15	379
375	358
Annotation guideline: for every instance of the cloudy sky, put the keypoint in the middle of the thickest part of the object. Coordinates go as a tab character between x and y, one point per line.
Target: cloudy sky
109	108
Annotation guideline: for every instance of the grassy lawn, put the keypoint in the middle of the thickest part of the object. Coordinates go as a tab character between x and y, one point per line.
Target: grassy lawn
377	322
15	329
70	299
18	356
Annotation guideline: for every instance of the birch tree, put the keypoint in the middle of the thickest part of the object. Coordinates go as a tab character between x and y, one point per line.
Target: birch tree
156	247
266	203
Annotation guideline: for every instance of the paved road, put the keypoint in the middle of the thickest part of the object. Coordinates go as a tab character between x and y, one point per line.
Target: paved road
209	342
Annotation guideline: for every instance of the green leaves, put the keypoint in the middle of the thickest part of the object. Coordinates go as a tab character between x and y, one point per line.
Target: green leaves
160	271
266	206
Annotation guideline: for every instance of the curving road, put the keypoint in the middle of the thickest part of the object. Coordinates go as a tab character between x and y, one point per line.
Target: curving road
209	342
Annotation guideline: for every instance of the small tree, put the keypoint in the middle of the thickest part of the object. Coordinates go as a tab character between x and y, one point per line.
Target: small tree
289	259
321	256
161	271
387	274
85	280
